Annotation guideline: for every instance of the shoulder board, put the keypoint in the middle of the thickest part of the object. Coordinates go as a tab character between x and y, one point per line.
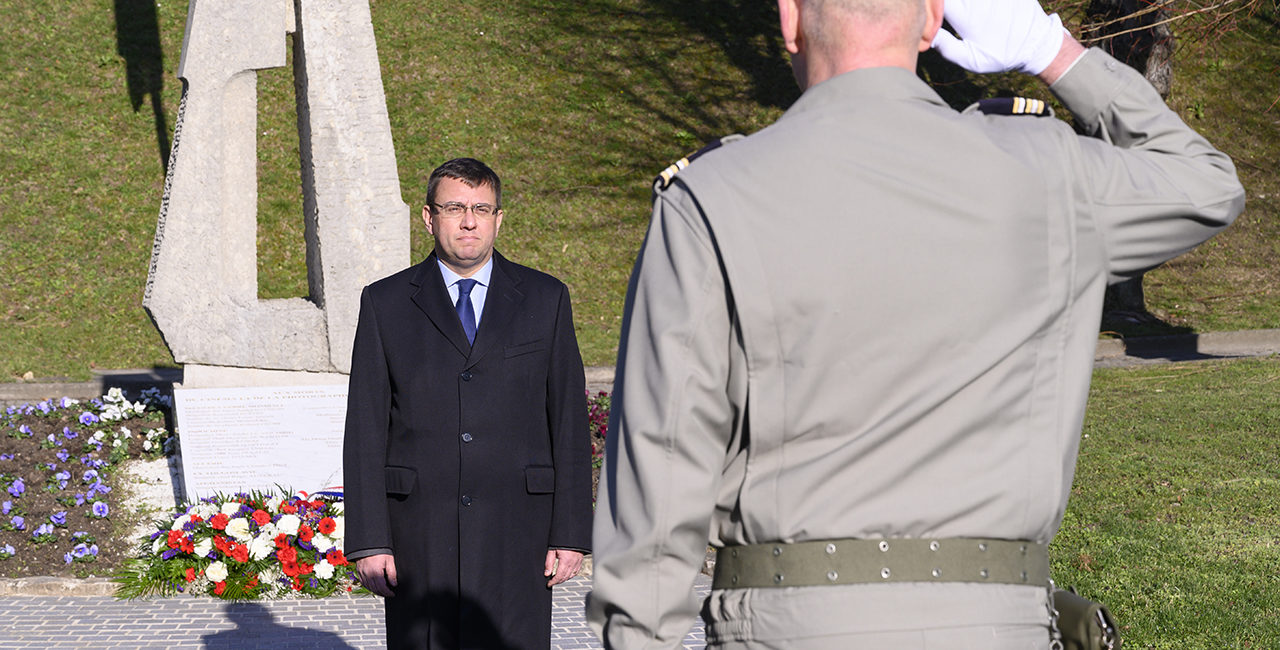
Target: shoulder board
1011	106
664	178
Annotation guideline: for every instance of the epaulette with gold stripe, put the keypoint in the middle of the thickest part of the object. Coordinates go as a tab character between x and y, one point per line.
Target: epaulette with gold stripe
1011	106
664	178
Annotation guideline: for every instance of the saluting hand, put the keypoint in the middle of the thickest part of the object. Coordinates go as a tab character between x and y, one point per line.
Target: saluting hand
561	565
999	35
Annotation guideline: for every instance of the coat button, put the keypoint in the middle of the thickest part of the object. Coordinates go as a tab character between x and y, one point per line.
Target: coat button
466	437
466	500
466	375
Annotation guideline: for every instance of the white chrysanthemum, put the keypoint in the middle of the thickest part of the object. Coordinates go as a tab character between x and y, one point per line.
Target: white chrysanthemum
158	545
324	570
261	547
203	547
288	524
180	522
217	571
269	531
322	543
205	510
268	576
336	508
339	528
230	508
238	529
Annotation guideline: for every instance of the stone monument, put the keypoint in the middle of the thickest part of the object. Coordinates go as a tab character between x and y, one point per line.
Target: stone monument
202	288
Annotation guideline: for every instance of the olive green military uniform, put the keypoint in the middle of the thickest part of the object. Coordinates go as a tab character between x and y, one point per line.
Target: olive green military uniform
876	319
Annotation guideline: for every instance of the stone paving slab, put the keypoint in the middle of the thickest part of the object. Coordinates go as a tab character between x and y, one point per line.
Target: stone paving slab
338	623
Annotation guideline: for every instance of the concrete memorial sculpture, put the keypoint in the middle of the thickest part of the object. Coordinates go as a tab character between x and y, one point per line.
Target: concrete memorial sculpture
202	287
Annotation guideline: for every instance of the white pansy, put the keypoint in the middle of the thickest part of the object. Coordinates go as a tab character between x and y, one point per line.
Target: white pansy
124	431
217	571
288	524
99	436
146	445
321	543
203	547
117	443
261	547
115	394
238	529
230	508
324	570
180	522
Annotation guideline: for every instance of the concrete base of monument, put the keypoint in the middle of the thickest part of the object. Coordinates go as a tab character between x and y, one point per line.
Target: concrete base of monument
200	376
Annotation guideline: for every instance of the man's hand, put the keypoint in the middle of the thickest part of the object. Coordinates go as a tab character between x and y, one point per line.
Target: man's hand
561	565
378	574
1000	35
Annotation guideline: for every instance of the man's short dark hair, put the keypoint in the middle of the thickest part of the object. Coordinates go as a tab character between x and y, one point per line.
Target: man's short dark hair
468	170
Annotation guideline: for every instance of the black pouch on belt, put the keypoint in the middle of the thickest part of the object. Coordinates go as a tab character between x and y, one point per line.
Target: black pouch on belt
1084	624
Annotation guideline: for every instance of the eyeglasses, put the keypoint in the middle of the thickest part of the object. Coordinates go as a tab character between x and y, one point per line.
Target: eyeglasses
455	210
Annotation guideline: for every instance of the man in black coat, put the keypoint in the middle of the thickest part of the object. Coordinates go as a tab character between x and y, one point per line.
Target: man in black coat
466	457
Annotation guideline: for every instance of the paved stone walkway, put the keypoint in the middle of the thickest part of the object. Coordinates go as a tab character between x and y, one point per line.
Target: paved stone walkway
83	622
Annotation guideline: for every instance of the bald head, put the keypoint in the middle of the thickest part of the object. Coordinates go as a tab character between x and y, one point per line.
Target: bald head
830	37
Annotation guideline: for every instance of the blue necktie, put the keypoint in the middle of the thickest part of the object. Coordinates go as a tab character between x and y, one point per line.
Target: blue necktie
466	313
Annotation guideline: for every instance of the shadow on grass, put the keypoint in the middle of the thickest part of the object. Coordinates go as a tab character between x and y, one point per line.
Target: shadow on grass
138	42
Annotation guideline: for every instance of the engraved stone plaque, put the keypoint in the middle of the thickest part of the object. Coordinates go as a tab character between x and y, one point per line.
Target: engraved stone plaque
280	439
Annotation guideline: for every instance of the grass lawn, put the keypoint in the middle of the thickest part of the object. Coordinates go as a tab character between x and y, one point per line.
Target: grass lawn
1174	519
577	105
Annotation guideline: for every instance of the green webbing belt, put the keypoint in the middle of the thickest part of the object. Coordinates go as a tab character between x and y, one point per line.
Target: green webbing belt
862	561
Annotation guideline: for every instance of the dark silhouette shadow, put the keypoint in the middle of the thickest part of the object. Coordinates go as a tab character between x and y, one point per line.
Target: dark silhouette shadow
138	42
748	33
1184	347
256	628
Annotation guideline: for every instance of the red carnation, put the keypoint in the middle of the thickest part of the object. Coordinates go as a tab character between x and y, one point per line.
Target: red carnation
304	533
175	538
253	582
190	574
261	517
187	546
289	554
289	509
240	553
335	557
327	526
220	587
219	521
304	568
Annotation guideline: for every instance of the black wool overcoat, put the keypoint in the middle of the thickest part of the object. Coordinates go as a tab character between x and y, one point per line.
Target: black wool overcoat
467	462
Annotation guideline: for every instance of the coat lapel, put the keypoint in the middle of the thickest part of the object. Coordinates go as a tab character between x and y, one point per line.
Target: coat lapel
500	308
431	296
